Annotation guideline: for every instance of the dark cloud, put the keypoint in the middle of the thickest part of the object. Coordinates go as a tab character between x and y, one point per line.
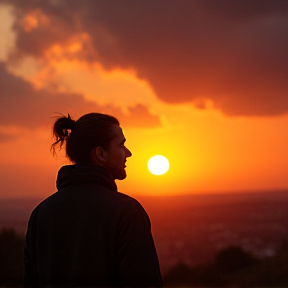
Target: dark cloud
232	52
22	105
6	137
139	116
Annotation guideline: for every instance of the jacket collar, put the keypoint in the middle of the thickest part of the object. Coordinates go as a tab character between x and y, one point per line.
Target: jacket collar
74	175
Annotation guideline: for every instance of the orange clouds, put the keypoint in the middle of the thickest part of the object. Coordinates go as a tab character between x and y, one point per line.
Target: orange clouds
21	104
175	75
33	19
233	54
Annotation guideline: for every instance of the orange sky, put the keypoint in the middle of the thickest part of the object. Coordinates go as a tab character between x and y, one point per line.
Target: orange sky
217	113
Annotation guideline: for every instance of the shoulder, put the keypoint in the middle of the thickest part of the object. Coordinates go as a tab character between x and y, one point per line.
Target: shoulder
132	207
130	201
42	205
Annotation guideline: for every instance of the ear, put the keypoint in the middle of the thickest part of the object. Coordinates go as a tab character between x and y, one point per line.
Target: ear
99	155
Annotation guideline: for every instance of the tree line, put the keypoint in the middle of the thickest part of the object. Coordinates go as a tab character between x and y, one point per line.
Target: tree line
231	267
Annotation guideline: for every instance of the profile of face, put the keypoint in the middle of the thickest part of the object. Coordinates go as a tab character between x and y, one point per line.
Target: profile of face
116	154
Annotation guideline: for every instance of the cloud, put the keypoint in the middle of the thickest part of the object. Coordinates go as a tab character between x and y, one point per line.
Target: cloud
5	137
139	116
22	105
233	53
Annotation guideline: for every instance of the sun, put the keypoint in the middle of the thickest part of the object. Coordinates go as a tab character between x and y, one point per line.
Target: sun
158	165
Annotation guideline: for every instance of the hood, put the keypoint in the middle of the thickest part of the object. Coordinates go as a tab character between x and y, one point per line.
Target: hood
73	175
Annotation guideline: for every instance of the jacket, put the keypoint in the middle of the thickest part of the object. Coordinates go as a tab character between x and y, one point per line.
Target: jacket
89	235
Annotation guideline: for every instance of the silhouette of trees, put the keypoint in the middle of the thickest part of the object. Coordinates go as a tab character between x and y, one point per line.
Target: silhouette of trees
11	255
233	258
179	275
200	276
232	267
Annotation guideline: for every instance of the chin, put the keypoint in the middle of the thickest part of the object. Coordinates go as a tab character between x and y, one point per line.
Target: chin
121	176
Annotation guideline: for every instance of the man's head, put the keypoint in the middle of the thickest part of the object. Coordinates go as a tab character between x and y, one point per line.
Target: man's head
94	138
113	157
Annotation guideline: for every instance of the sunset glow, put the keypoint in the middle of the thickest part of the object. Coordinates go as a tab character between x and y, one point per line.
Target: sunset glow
202	98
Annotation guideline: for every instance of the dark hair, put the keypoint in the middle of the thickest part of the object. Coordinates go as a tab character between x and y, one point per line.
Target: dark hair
81	136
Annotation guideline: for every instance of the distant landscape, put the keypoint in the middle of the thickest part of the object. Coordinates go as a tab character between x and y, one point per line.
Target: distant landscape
192	228
189	230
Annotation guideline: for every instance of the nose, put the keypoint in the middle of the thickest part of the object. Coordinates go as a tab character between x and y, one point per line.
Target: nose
127	152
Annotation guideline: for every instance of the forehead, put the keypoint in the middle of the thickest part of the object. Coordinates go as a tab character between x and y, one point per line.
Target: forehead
117	133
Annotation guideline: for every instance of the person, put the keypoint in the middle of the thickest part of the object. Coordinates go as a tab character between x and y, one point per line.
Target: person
88	234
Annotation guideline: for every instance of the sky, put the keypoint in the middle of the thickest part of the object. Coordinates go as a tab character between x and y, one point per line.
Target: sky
202	82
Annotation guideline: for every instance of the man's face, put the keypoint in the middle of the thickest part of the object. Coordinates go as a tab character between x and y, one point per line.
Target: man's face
116	155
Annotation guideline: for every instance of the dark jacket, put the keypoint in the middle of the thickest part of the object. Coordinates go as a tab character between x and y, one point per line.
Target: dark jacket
88	234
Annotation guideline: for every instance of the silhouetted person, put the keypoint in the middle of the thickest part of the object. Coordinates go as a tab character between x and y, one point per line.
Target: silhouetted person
87	234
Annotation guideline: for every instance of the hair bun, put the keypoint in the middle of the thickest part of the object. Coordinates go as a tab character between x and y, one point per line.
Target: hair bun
71	122
62	129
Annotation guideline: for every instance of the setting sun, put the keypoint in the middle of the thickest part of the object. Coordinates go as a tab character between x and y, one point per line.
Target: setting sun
158	165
